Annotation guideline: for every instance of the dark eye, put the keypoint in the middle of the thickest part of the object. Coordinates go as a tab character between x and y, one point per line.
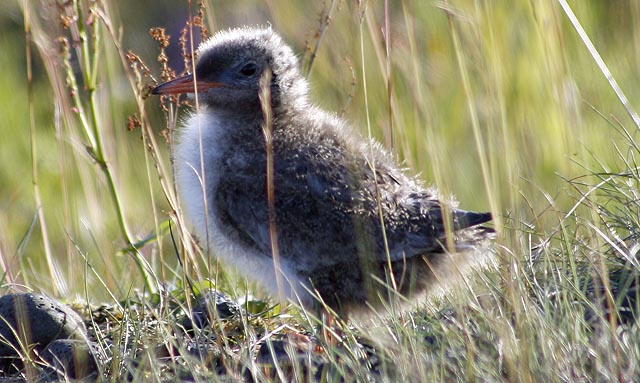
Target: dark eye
249	69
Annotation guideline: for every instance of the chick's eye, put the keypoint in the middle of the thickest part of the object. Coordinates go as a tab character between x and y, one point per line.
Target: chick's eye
249	69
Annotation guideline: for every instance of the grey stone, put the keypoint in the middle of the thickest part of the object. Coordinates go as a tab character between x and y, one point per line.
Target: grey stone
37	320
74	358
212	305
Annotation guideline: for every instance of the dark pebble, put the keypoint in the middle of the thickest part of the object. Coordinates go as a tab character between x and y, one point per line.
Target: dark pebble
212	304
39	319
73	358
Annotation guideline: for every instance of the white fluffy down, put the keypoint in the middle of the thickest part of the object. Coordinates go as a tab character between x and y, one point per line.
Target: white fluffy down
200	146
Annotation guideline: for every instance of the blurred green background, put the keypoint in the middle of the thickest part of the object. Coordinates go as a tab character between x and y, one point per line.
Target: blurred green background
543	109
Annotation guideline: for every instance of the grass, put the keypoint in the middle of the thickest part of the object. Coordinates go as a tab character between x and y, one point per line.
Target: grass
501	104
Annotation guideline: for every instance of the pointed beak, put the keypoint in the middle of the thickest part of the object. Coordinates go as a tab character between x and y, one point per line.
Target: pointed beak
185	84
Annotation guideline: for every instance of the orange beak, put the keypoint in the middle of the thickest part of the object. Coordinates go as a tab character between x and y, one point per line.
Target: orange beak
185	84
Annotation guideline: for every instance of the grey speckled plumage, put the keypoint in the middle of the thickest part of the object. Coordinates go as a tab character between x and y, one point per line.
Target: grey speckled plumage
327	181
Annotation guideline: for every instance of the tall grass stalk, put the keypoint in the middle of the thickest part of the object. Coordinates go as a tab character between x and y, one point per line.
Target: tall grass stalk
84	47
600	62
58	284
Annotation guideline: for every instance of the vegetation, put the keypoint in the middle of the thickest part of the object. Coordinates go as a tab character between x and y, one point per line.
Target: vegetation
503	104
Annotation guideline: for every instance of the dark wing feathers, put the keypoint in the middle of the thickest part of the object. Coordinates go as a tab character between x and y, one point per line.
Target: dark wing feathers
424	229
339	193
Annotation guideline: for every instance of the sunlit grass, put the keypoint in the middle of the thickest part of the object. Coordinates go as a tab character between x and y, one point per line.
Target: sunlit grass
497	103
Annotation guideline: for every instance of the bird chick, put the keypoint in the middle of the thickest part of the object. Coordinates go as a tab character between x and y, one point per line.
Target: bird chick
353	230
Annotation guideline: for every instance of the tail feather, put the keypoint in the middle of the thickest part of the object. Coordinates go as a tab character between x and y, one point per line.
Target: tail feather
463	219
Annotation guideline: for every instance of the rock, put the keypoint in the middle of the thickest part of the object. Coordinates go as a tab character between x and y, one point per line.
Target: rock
37	320
212	304
74	358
